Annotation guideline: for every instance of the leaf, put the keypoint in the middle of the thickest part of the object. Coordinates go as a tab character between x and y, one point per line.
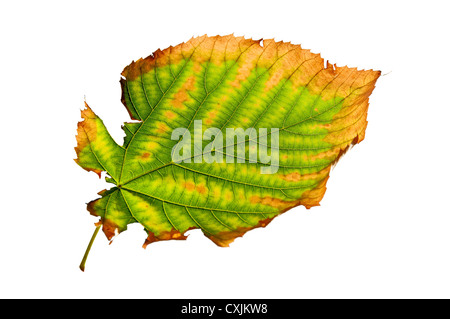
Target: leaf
226	82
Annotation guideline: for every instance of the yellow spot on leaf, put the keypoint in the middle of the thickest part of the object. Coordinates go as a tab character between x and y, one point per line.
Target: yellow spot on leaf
216	192
151	145
228	195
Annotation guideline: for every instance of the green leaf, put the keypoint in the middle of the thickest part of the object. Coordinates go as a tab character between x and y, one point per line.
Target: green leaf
275	88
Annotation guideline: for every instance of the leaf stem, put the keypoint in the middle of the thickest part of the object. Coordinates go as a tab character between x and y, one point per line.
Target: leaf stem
88	249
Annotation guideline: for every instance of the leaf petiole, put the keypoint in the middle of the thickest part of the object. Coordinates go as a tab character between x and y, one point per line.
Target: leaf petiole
83	262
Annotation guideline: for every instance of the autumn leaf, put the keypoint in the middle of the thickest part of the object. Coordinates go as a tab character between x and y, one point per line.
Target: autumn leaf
179	170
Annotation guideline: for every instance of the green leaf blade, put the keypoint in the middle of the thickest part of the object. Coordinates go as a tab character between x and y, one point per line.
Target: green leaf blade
230	82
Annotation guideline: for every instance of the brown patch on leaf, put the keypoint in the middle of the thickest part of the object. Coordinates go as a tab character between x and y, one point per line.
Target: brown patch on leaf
313	197
86	133
273	202
331	153
86	129
212	114
308	199
189	186
170	115
165	235
145	155
197	67
292	177
197	49
350	123
296	176
283	60
274	80
255	199
182	96
224	239
91	207
201	189
161	127
109	228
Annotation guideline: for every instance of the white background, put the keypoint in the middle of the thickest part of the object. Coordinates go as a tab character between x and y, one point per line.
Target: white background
382	230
